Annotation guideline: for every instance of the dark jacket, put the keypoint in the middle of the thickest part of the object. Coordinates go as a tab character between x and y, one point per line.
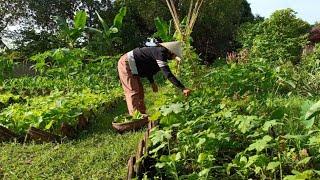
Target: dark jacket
150	60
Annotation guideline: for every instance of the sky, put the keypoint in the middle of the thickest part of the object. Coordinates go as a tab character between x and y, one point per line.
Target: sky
308	10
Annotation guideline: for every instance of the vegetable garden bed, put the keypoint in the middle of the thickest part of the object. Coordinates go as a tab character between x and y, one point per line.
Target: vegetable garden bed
47	117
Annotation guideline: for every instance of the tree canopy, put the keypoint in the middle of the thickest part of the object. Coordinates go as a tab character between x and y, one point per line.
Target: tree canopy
213	34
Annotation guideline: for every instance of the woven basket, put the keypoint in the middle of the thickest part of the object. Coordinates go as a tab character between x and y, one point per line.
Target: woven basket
128	126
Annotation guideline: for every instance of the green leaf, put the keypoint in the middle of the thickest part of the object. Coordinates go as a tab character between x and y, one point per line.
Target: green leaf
104	24
243	159
176	108
160	165
63	25
80	20
291	83
201	142
161	146
162	29
252	159
257	170
94	30
269	124
176	157
158	136
300	176
313	111
117	22
314	140
304	161
202	157
204	172
245	123
49	125
308	123
155	116
273	166
261	144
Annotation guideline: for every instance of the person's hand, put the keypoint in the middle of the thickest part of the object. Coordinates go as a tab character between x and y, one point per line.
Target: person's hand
154	87
186	92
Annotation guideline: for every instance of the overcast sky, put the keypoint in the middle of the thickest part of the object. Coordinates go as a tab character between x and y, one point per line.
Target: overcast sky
308	10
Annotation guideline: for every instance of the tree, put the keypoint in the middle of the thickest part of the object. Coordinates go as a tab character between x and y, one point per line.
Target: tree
214	31
139	24
38	22
11	12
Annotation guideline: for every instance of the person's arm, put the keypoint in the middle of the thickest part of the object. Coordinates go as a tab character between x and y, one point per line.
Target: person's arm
168	74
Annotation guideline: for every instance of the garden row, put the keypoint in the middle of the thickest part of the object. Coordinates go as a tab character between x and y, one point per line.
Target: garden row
254	115
49	112
252	120
62	97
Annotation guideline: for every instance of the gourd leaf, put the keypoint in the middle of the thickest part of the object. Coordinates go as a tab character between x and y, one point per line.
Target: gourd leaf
313	111
273	166
261	144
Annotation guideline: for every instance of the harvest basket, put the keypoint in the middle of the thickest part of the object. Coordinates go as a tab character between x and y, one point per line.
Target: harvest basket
128	126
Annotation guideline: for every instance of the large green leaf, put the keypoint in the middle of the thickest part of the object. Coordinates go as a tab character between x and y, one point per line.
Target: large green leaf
273	166
104	24
80	20
162	28
260	144
94	30
172	108
313	111
117	22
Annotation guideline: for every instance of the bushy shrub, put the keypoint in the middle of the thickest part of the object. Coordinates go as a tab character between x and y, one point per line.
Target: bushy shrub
308	72
312	61
248	32
279	38
213	34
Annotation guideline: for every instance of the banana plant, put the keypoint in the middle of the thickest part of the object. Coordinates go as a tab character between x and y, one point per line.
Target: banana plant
70	34
108	31
164	30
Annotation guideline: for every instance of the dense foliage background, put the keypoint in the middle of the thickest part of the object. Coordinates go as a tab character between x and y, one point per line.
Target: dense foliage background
253	114
215	30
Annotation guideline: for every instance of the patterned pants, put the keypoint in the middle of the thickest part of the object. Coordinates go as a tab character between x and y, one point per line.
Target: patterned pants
132	87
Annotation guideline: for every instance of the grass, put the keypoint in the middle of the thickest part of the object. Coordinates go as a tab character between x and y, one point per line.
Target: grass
99	153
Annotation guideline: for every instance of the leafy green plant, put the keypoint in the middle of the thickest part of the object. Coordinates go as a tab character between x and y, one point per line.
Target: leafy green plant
107	32
242	121
164	30
279	38
70	34
48	112
129	118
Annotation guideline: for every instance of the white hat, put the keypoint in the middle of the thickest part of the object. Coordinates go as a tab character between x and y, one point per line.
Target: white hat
174	47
